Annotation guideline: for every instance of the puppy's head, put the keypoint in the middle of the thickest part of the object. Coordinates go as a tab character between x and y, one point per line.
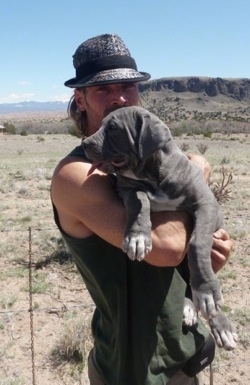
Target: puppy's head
127	138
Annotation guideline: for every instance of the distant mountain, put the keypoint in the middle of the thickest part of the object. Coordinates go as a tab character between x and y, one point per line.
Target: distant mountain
32	107
237	89
203	100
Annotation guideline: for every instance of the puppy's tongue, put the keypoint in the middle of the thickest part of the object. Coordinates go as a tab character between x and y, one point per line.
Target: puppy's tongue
93	167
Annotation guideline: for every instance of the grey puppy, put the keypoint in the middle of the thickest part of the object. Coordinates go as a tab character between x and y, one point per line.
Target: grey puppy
153	174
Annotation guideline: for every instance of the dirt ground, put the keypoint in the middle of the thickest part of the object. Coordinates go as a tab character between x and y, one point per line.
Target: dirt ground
40	346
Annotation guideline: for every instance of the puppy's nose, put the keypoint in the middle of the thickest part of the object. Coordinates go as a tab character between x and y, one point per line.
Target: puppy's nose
85	144
86	147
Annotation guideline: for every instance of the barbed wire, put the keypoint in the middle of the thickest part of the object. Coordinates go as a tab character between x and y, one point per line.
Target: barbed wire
48	309
233	365
25	230
64	308
31	311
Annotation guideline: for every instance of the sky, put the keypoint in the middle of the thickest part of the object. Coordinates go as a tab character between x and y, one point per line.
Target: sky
167	38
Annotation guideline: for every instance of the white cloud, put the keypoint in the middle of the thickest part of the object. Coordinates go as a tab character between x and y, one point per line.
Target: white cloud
15	98
61	97
31	96
24	83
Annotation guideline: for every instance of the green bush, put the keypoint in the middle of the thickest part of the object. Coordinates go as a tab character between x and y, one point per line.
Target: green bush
24	133
72	130
10	128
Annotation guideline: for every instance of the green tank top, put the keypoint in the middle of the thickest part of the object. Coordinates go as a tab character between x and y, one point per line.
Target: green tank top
137	323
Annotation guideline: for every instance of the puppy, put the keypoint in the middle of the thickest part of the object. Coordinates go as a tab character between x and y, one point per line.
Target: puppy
153	174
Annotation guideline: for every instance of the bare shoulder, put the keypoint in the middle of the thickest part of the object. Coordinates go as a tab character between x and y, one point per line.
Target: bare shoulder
83	202
70	172
70	179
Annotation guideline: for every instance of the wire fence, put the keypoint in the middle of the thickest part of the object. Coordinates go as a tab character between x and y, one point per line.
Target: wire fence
230	362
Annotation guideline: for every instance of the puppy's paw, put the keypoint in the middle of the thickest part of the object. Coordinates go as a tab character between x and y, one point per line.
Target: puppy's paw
137	247
189	313
207	298
223	331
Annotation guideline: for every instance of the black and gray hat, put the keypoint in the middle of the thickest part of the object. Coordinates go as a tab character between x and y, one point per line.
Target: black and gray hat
104	59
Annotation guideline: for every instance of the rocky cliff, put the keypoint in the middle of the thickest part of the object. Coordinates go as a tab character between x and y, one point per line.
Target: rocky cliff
238	89
199	99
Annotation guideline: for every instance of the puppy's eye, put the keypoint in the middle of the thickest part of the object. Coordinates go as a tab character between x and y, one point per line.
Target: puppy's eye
112	126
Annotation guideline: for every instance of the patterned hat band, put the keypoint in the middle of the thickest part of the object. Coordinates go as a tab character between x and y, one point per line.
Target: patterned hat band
105	63
104	59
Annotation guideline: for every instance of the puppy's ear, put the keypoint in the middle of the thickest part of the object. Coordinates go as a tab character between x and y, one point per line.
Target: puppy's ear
153	135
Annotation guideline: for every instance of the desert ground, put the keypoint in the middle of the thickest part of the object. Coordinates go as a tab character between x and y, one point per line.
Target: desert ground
45	310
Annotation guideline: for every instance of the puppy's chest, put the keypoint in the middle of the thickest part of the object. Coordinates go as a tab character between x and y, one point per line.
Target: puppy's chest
161	201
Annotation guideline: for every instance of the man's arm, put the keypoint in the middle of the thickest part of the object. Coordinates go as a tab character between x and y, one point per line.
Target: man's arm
88	205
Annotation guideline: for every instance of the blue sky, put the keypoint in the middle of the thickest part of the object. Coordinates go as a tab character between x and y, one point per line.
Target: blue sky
166	37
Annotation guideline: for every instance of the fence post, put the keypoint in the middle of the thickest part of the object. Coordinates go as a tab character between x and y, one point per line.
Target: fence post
31	310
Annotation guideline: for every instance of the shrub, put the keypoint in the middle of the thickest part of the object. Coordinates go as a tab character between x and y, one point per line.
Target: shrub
202	148
40	139
220	189
10	128
207	134
72	130
24	133
184	146
74	344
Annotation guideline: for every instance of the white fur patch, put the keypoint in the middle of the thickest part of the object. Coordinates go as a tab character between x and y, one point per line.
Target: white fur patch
160	201
129	174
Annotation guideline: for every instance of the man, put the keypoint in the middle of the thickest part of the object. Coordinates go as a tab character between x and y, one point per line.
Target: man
137	324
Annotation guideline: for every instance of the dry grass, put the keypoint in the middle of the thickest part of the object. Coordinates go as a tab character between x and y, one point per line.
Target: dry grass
62	307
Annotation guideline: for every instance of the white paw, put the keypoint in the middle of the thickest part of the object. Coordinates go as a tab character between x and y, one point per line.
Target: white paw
206	303
189	313
223	331
137	247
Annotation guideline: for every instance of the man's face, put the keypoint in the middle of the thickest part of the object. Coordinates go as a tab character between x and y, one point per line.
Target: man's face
98	101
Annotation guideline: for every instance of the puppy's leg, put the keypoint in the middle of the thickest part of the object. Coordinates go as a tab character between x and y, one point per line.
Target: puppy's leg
205	286
223	332
137	240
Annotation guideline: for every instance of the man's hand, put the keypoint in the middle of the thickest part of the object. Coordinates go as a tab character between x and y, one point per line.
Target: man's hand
222	246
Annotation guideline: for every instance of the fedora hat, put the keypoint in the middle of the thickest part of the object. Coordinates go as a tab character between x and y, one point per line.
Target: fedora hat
104	59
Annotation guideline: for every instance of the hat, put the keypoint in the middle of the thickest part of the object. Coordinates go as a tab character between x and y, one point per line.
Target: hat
104	59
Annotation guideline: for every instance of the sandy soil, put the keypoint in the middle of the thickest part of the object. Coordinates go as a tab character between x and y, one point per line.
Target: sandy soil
60	300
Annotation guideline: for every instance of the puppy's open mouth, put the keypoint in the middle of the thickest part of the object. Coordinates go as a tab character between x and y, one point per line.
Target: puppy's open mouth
109	166
94	166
